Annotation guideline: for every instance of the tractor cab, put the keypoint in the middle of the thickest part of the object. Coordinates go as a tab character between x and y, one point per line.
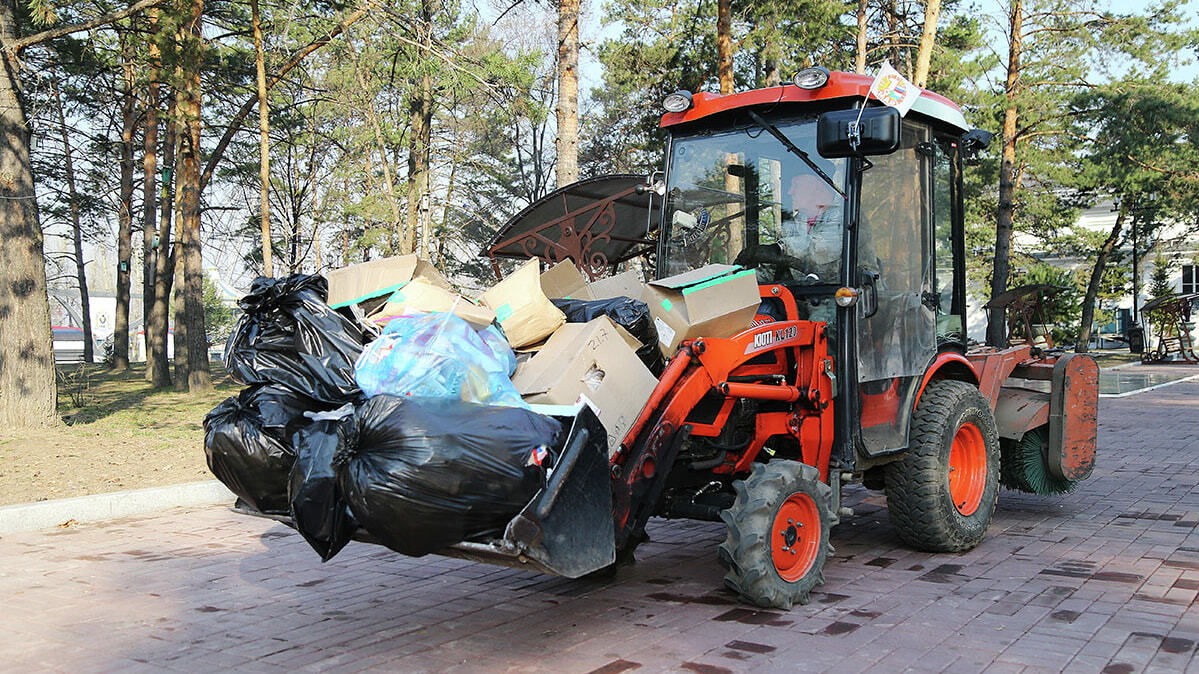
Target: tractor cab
868	242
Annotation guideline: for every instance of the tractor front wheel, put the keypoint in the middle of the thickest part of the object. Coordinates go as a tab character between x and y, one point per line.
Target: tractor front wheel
941	495
778	530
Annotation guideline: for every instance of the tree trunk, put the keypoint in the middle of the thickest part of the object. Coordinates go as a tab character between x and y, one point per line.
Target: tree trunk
724	45
567	144
1088	301
89	352
932	12
893	31
426	148
199	379
421	132
164	267
771	53
416	169
996	325
180	339
28	396
393	202
859	61
120	336
264	129
150	197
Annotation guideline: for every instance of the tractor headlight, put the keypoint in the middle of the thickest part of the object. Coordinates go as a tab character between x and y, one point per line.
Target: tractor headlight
811	78
679	101
846	297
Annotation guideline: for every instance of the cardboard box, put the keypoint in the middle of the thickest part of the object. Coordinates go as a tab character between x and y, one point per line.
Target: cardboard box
421	294
718	300
524	312
376	279
625	284
565	281
593	363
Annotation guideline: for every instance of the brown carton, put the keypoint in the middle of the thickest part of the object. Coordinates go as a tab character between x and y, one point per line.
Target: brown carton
564	281
595	363
718	300
521	307
625	284
421	294
373	280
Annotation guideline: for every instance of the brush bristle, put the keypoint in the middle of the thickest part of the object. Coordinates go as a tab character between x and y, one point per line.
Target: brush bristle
1024	465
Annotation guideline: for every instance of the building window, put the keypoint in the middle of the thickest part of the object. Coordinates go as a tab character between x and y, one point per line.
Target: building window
1190	279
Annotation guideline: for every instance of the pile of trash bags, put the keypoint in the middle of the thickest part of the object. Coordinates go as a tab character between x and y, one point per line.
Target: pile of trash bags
415	435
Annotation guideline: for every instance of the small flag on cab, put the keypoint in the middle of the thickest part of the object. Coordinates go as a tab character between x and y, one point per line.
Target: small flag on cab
894	90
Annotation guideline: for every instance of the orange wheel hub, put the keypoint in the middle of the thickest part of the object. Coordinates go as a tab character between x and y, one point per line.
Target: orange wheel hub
967	469
795	537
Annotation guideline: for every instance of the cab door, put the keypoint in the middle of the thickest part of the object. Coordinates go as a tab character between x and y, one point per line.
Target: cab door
896	321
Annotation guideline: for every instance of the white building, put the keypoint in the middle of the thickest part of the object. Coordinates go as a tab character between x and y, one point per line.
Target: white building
1175	245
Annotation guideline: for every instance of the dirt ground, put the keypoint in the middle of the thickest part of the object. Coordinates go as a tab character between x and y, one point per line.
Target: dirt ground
124	436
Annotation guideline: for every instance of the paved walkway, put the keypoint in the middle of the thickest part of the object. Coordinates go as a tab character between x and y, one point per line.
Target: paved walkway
1101	580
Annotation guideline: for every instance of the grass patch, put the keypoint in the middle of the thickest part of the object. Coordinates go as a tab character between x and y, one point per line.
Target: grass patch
124	435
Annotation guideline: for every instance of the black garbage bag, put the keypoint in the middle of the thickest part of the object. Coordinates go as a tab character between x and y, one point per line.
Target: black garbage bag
628	313
289	336
246	440
318	510
426	474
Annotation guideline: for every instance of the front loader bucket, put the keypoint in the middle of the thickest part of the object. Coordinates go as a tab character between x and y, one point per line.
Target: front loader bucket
567	528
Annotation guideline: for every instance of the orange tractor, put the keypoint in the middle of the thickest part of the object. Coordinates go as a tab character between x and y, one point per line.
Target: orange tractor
856	369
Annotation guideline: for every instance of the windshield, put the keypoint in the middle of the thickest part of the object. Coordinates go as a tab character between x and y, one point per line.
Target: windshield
741	197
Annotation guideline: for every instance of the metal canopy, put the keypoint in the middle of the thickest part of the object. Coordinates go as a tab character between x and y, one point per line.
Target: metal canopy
598	222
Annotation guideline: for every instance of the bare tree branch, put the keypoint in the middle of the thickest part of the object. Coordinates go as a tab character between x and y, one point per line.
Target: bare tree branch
36	38
235	124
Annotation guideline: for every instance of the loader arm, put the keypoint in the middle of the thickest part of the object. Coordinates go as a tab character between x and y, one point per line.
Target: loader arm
784	361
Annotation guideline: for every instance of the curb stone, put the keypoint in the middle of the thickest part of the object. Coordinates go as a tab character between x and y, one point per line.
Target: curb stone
99	507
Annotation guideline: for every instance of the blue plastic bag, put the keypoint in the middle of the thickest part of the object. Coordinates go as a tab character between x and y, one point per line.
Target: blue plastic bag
438	355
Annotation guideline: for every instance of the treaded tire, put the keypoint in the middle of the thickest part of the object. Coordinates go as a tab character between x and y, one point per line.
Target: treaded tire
747	551
918	485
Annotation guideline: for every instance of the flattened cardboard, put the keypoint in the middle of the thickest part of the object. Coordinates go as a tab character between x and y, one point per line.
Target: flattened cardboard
360	282
718	300
521	307
593	363
564	281
420	294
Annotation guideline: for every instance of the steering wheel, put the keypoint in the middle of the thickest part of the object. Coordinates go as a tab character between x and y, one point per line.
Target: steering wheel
772	254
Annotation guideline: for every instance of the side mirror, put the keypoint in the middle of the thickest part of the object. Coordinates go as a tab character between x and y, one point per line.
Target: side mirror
973	143
877	132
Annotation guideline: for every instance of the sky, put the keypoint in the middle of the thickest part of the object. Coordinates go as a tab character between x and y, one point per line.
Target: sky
593	30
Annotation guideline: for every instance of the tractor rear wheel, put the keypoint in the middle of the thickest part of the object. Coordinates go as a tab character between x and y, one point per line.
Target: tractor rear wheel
941	495
778	530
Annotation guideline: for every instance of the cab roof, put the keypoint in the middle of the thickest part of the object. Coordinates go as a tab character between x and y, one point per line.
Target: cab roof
840	85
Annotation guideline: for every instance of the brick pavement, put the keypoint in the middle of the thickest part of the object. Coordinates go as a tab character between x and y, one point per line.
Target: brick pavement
1101	580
